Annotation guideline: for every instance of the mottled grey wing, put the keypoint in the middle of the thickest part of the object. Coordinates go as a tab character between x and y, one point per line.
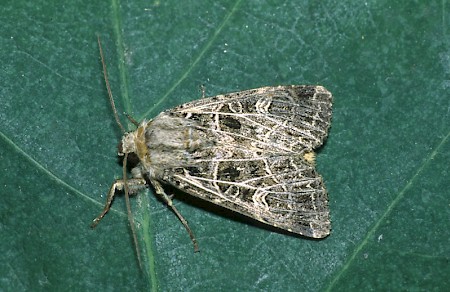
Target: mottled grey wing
282	191
279	119
255	161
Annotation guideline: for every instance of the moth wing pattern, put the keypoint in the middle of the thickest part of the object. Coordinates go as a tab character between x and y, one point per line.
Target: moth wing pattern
248	152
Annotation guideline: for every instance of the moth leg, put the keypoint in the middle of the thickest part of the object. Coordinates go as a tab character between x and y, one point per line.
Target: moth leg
134	184
168	199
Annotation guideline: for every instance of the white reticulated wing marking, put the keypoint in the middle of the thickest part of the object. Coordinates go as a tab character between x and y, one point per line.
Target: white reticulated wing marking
248	151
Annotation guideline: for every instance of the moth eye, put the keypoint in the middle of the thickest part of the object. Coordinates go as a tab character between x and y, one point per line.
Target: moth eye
120	147
133	160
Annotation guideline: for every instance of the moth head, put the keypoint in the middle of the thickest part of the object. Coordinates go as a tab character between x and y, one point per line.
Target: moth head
133	144
127	145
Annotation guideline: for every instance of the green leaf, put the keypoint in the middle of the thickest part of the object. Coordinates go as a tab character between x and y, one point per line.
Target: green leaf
385	163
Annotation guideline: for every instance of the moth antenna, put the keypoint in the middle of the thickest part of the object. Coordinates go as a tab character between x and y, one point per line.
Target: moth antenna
133	121
108	87
130	216
124	169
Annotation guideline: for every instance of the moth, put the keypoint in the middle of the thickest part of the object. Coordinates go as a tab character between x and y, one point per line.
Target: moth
250	151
